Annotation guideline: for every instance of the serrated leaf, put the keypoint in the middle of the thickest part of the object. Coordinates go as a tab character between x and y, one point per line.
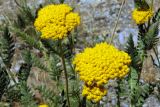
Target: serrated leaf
151	37
29	39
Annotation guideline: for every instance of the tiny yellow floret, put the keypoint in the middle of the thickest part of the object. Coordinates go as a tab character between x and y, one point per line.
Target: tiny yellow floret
97	65
56	21
141	16
94	93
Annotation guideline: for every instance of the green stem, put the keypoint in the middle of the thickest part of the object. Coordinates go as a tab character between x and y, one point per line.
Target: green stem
65	73
118	94
139	77
10	74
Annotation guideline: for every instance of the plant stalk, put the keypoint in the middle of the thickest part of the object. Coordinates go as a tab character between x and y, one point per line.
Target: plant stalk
152	3
65	73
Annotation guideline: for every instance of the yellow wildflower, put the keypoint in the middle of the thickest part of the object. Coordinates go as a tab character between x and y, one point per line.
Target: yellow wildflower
43	105
97	65
56	21
94	93
141	16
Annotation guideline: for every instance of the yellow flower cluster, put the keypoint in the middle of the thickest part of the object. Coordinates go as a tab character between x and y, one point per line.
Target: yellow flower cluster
97	65
141	16
94	92
56	20
43	105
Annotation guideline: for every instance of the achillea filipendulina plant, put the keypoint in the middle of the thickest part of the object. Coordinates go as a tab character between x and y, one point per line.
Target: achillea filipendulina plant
56	21
141	16
97	65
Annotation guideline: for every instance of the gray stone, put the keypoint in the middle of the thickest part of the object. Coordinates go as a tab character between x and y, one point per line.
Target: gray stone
152	101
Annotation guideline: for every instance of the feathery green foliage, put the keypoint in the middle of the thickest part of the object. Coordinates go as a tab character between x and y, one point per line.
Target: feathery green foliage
26	15
38	63
28	39
6	54
26	67
138	92
151	37
26	95
133	52
20	92
156	16
7	46
55	66
50	97
51	46
4	81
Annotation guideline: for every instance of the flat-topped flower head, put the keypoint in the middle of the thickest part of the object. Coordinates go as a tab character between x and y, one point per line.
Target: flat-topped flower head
97	65
56	21
141	16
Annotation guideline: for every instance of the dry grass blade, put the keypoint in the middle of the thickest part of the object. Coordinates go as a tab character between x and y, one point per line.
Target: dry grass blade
115	27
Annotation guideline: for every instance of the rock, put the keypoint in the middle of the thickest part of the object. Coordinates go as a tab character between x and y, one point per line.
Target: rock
152	101
150	73
101	15
123	35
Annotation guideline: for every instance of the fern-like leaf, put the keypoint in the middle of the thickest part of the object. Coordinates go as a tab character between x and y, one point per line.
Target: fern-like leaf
29	39
55	67
51	45
4	81
141	48
27	13
156	16
20	22
26	98
26	67
7	47
50	97
130	48
38	63
134	53
151	37
138	92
